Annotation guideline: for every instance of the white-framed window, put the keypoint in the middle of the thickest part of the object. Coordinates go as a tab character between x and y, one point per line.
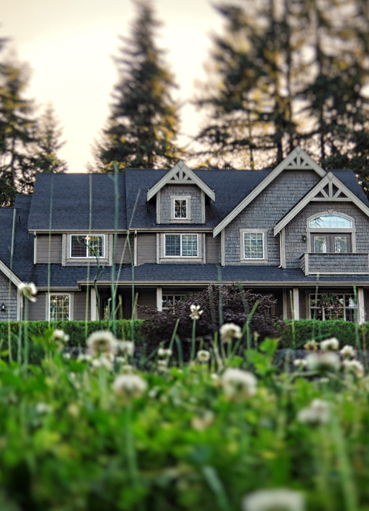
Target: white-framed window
324	306
170	299
253	244
87	245
180	208
59	307
331	232
181	245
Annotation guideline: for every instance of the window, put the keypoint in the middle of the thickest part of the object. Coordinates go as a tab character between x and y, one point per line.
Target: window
253	245
336	240
169	300
180	208
59	307
333	306
181	245
87	246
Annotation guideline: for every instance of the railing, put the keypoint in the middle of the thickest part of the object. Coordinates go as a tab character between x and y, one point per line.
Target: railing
334	264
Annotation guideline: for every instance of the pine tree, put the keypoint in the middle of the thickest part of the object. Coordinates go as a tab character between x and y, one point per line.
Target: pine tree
249	98
16	130
143	124
45	151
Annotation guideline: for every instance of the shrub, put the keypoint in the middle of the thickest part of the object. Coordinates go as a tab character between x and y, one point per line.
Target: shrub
295	335
229	301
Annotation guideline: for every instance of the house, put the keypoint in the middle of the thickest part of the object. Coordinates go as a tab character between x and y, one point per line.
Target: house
91	242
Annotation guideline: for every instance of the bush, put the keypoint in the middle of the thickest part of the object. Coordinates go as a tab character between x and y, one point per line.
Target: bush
78	332
234	303
295	334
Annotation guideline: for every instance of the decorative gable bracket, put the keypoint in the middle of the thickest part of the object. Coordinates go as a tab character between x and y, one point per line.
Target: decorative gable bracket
180	174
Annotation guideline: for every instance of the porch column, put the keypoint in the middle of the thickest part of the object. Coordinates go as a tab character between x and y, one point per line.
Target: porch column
360	306
285	305
93	304
296	304
159	298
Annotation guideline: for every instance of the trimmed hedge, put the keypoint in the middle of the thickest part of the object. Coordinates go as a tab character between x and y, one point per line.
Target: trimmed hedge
296	334
78	332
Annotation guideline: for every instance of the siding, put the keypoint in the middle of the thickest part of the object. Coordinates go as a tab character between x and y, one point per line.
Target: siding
180	190
295	247
37	310
122	250
146	248
8	296
79	306
266	211
212	249
49	245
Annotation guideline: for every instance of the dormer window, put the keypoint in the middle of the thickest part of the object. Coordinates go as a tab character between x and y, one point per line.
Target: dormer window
180	208
87	245
331	232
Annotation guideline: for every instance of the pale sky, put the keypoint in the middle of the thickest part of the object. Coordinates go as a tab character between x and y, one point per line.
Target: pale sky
69	46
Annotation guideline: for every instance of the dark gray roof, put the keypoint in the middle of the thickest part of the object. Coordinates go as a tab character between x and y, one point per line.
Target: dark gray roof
349	179
62	201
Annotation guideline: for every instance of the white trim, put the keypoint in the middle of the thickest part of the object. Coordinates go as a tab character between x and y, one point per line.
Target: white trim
282	248
222	248
135	249
93	304
284	305
243	258
157	248
330	179
158	220
34	248
180	257
297	160
202	207
186	198
296	304
204	248
159	298
71	304
360	306
180	174
8	273
103	258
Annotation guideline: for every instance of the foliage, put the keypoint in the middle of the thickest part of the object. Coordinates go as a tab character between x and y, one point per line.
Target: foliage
143	123
296	334
219	304
82	436
284	73
48	144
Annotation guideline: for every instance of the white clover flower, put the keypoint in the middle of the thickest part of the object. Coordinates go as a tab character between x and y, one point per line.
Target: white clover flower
237	381
354	366
73	409
317	413
203	356
67	356
311	346
84	357
42	408
348	352
28	290
104	361
126	347
230	331
323	362
129	385
279	499
331	344
164	353
214	376
162	365
300	363
199	423
59	335
102	341
195	312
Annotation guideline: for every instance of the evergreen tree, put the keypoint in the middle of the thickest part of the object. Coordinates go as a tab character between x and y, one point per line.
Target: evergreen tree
16	131
143	123
45	151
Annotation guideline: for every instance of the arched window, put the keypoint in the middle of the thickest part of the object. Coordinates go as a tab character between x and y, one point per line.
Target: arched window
331	232
330	222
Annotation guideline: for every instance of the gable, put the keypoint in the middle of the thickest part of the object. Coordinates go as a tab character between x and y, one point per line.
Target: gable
9	274
329	189
296	160
180	174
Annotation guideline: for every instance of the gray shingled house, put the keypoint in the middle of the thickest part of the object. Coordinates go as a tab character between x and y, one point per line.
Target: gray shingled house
297	232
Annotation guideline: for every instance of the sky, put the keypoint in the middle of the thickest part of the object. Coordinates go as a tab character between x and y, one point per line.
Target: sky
69	45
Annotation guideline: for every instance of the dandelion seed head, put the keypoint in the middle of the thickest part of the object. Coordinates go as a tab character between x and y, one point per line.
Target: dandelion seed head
323	362
354	366
230	331
318	412
203	356
331	344
279	499
129	385
236	381
28	290
348	352
101	341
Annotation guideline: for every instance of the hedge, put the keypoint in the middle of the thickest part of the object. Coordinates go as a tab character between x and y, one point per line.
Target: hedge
78	331
296	334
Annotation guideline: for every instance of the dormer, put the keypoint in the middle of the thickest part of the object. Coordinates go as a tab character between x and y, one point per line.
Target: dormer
180	197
